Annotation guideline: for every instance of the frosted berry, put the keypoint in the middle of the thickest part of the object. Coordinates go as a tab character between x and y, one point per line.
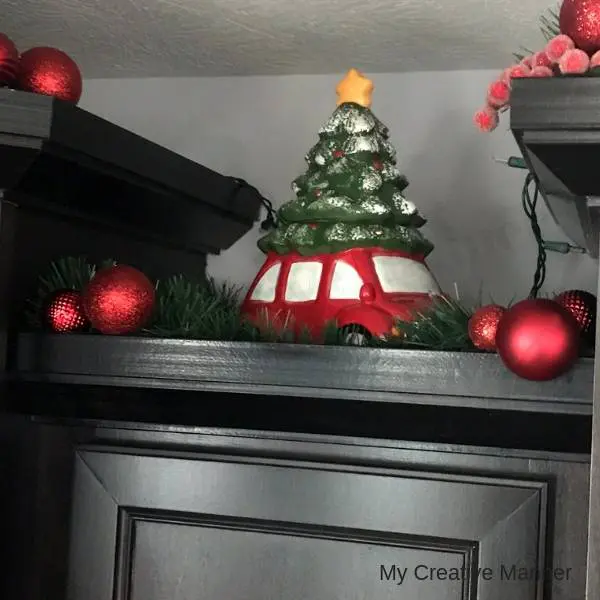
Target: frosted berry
540	59
498	94
515	72
573	62
528	61
541	72
557	46
486	119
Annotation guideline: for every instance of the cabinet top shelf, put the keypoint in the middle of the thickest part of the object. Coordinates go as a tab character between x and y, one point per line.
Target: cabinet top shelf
383	394
458	379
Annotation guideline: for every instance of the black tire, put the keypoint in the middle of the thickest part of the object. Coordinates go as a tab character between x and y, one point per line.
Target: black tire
354	335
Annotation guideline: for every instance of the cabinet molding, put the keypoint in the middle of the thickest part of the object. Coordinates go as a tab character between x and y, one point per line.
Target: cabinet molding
137	513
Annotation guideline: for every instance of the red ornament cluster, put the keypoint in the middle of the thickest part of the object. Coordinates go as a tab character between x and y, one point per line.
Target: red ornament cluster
575	51
537	339
118	300
40	70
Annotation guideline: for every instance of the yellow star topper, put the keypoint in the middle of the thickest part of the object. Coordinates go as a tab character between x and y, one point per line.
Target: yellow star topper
355	87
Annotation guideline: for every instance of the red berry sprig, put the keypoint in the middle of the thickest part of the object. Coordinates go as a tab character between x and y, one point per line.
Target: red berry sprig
559	57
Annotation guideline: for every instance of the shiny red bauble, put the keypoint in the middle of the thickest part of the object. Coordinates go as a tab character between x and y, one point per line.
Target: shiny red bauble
63	312
483	326
580	20
119	300
50	72
538	339
9	61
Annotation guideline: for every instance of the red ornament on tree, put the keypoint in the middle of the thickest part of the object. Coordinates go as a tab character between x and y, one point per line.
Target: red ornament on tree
377	165
483	326
338	153
50	72
538	339
119	300
63	312
9	60
582	305
580	20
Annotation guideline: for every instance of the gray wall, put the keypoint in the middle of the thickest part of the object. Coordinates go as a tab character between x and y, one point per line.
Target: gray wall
259	128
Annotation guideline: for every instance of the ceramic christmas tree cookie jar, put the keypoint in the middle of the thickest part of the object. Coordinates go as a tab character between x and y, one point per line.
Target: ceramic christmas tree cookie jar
347	251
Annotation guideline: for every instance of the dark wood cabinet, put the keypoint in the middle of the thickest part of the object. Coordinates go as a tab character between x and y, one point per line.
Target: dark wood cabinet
179	515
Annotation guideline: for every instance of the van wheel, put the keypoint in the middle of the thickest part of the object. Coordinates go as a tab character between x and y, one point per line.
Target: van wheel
354	335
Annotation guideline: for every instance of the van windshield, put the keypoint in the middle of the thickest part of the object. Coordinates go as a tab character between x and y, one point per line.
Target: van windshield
398	274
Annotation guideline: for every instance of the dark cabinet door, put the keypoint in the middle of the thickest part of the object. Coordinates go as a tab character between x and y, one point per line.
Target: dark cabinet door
155	526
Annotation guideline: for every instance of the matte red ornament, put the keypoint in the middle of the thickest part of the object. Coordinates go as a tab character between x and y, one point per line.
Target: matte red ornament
538	339
50	72
582	305
119	300
63	312
483	326
9	60
580	20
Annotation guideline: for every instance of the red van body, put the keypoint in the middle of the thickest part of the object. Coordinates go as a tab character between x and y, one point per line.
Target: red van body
363	288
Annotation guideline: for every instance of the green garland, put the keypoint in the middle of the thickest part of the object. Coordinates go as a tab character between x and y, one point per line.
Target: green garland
207	310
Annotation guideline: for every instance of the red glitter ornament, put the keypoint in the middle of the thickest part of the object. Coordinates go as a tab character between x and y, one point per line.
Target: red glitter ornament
582	305
580	20
483	326
63	312
538	339
119	300
9	60
50	72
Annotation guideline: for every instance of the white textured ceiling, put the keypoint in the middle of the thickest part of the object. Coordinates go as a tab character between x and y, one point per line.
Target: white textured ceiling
142	38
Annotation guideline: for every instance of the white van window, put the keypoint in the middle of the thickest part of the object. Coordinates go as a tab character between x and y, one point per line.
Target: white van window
265	289
345	283
303	281
397	274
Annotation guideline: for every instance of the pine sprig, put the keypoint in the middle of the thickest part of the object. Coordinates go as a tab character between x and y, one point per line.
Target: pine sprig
550	24
549	28
196	310
443	326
